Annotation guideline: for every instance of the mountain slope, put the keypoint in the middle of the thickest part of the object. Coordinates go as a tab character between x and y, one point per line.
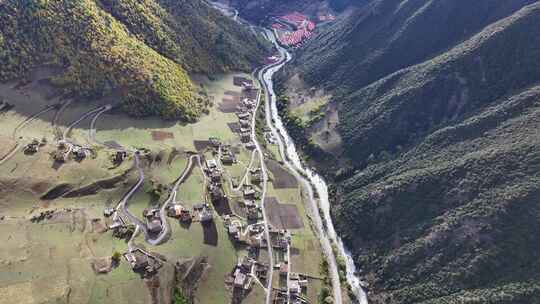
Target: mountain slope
138	50
407	104
457	213
441	200
389	35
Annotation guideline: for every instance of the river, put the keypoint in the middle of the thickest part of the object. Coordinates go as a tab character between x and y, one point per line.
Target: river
313	183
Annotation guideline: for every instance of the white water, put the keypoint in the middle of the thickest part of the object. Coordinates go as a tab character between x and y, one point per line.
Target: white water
308	177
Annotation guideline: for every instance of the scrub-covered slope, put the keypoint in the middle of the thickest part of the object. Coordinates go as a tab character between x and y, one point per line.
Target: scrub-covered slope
439	111
388	35
450	210
139	50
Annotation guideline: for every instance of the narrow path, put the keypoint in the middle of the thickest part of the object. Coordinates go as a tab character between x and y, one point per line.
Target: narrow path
263	197
92	130
10	154
122	205
81	118
32	118
24	123
164	234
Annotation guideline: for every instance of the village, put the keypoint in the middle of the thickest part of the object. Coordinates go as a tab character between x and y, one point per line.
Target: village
245	224
295	28
234	204
124	202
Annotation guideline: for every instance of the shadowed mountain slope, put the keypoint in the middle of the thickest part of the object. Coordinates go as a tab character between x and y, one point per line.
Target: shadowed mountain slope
439	110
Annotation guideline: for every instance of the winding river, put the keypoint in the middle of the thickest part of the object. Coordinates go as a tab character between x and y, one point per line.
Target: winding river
313	182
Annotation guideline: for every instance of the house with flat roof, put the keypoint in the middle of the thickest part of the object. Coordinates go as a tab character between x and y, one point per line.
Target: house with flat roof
211	163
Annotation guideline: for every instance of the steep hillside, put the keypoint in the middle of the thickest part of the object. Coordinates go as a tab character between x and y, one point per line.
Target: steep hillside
456	218
439	106
389	35
190	33
401	108
139	50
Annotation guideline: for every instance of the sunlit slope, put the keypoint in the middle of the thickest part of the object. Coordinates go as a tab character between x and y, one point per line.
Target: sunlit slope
137	50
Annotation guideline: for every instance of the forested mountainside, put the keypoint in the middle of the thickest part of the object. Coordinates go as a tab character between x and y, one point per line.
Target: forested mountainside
389	35
142	50
439	110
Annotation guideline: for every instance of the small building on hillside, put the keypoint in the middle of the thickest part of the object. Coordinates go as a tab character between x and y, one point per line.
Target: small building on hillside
215	176
60	156
108	212
244	123
32	147
211	163
79	153
253	214
227	157
142	262
256	175
234	232
119	157
154	225
216	192
245	137
214	142
206	215
239	279
199	206
244	115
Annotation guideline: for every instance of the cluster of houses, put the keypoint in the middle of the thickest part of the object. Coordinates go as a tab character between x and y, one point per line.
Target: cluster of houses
249	192
245	111
253	211
215	187
303	28
296	288
252	235
280	239
66	150
269	136
118	157
245	272
297	284
256	175
178	211
201	212
227	155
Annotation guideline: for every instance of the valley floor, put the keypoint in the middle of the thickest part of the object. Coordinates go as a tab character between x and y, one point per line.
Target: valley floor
57	240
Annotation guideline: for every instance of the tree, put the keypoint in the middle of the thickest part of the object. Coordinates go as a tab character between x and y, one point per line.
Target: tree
179	298
116	257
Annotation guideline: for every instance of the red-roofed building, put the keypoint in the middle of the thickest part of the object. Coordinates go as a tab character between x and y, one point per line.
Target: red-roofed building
304	29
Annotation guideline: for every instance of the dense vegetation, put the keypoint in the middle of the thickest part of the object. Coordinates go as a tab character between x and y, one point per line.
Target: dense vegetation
388	35
137	50
439	105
